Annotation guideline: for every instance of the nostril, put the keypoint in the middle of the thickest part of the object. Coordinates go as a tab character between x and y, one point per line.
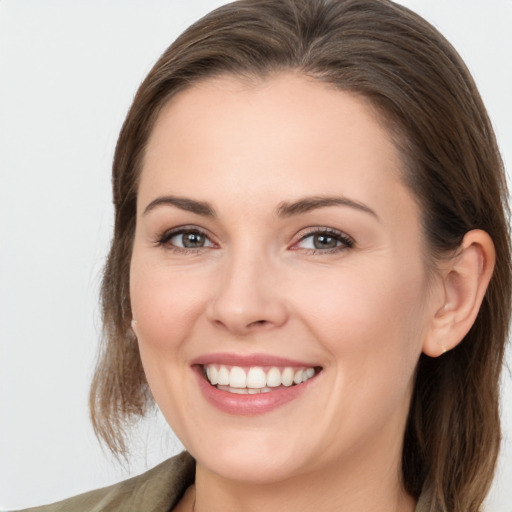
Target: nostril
257	322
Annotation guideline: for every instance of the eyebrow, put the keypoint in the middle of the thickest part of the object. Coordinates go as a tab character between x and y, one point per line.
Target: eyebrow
183	203
285	209
307	204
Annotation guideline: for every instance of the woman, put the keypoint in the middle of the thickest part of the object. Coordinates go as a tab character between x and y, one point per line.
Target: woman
310	270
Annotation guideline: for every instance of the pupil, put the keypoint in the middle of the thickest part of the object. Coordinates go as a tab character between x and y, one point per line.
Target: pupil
324	242
192	240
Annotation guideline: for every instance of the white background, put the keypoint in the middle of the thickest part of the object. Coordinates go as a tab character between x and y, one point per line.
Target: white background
68	72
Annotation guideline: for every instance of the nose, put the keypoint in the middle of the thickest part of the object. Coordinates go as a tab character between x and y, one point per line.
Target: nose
248	297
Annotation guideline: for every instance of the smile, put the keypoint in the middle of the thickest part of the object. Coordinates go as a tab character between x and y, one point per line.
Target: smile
255	379
252	384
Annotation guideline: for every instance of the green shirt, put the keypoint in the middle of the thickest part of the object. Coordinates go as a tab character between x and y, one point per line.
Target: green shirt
157	490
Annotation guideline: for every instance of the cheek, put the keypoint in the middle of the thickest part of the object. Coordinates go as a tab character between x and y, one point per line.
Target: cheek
165	303
370	320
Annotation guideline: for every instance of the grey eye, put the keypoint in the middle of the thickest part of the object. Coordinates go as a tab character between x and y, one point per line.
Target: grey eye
326	240
190	240
323	241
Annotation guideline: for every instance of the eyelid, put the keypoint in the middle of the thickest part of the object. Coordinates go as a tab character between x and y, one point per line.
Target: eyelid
162	239
347	242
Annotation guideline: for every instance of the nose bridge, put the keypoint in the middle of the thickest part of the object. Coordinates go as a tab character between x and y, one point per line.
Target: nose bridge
247	297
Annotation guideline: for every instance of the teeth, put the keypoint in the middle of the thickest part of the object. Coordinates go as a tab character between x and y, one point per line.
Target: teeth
239	391
256	379
287	376
223	376
213	374
273	378
237	378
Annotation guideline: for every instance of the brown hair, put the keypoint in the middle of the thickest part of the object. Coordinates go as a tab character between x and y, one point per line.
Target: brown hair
427	98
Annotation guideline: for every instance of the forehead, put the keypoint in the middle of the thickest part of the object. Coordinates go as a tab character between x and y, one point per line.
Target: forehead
274	138
287	100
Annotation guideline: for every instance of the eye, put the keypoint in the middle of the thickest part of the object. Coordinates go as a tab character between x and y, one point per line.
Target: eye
185	239
324	240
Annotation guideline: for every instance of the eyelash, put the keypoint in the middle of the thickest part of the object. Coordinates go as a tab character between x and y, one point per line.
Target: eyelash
164	239
345	241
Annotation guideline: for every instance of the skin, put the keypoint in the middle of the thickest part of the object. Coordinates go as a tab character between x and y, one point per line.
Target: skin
362	313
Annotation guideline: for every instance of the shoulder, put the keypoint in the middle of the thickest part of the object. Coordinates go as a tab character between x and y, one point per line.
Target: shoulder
157	490
425	500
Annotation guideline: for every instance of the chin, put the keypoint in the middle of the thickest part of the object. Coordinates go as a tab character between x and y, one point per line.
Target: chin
251	465
252	457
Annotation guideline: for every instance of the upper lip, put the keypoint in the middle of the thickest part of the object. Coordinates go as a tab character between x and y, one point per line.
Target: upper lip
249	360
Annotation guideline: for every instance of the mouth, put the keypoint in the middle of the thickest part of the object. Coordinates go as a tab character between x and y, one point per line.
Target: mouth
253	380
253	384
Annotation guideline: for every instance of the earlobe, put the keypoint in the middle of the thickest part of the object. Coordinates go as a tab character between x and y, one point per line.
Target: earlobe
465	278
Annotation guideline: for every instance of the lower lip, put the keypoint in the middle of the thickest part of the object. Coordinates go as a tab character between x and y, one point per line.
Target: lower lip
249	405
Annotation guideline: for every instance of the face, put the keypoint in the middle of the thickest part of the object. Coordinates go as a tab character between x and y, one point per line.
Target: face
278	251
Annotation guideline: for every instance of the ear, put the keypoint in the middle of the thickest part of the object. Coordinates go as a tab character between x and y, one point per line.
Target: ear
465	278
134	326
